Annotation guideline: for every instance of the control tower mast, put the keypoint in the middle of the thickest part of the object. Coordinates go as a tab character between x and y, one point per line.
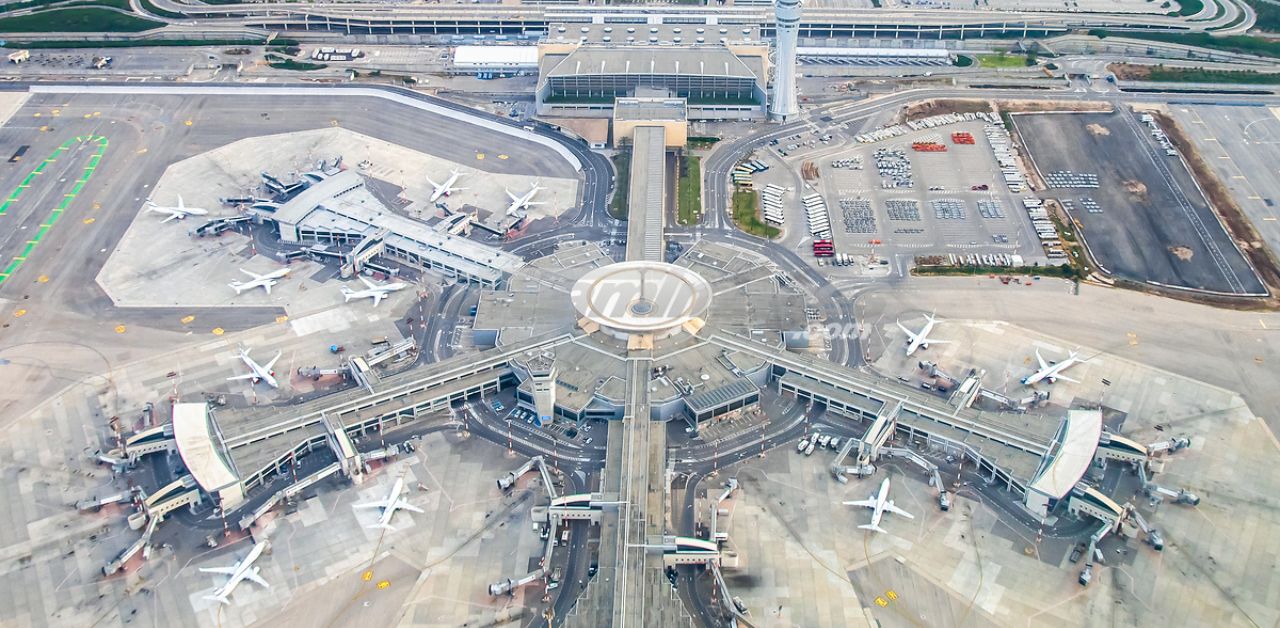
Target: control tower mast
785	104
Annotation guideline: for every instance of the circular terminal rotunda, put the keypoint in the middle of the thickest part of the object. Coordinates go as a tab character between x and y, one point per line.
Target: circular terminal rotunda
651	299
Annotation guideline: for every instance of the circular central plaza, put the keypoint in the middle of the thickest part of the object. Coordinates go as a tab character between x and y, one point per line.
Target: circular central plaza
649	298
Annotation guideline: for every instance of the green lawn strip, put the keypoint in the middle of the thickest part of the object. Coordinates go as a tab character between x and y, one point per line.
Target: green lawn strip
1002	60
689	192
747	215
622	185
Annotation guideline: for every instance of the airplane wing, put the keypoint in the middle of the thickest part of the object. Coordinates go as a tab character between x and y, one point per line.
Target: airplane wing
378	297
372	286
865	503
931	341
172	216
181	205
251	274
247	376
252	575
268	365
910	334
513	197
230	571
1055	378
435	185
267	286
404	505
1043	364
898	511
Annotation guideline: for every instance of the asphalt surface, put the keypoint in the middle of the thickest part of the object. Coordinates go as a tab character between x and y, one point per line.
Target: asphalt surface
1138	236
590	221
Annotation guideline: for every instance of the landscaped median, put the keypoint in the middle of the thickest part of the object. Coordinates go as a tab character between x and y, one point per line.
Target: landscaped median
77	20
689	191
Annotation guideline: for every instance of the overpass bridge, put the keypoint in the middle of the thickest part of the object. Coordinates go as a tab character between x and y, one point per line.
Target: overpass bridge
411	21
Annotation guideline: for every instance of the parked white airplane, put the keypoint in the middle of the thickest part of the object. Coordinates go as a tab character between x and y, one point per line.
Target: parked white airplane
1053	372
921	340
880	504
521	202
390	505
446	188
258	372
376	291
239	572
175	213
265	281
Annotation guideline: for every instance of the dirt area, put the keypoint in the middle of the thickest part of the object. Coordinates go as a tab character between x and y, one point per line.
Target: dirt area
916	111
1136	188
1181	252
1130	71
1098	129
1238	226
919	110
1042	106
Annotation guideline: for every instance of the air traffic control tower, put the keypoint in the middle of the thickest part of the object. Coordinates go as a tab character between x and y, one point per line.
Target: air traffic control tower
785	104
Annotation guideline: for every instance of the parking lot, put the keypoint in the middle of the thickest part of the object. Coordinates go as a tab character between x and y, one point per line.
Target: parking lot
888	200
1141	213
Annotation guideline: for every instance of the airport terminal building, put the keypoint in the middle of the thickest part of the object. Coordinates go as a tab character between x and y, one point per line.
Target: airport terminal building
722	72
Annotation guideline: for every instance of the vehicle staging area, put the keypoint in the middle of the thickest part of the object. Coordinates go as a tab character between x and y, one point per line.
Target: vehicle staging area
324	355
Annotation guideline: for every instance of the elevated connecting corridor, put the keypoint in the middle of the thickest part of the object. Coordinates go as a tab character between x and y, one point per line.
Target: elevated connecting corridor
647	194
261	441
1012	445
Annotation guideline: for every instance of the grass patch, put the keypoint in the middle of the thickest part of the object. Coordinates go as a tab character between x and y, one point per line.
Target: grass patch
962	61
622	184
1065	271
78	20
689	191
1268	15
702	142
1188	8
1240	44
1162	74
281	63
1002	60
747	215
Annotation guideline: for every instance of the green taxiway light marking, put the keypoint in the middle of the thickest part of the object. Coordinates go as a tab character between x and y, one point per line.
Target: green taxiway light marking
55	213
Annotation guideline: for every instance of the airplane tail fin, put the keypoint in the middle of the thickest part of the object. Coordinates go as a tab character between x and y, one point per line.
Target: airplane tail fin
221	599
237	287
346	294
383	526
873	528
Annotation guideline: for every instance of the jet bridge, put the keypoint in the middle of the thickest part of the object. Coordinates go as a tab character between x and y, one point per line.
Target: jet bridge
507	481
935	479
139	545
